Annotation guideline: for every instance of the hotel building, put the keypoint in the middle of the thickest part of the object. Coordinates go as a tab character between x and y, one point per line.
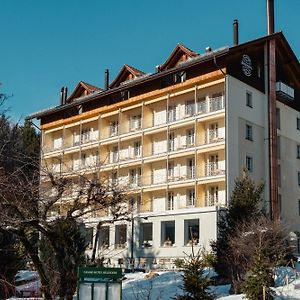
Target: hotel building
178	138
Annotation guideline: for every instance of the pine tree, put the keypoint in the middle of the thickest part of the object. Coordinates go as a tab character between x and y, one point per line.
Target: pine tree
260	278
195	284
243	206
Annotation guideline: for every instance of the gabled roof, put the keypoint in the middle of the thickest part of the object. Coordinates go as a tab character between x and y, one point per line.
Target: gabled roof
82	89
126	73
180	53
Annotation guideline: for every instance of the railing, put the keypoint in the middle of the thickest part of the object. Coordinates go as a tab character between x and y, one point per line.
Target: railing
211	200
212	138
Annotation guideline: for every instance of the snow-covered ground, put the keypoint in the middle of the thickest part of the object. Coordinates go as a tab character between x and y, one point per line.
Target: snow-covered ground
169	284
166	285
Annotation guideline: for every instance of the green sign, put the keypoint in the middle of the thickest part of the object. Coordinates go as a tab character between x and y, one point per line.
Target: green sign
99	273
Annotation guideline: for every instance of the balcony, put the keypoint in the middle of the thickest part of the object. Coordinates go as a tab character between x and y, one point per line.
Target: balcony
212	169
211	200
213	138
212	105
284	92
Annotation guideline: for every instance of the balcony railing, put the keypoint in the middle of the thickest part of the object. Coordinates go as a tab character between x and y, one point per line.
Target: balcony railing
212	138
211	200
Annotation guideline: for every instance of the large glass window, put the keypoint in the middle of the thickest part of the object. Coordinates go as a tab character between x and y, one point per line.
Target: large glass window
120	236
191	232
168	233
103	241
146	235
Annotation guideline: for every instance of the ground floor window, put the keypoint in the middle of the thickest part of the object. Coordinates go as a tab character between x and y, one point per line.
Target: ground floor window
104	237
146	235
168	233
89	237
191	232
120	236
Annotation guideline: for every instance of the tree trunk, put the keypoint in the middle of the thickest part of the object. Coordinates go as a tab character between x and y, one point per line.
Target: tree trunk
45	287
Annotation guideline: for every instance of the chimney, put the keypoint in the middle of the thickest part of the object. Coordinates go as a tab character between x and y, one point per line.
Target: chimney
62	92
106	79
270	16
235	32
65	95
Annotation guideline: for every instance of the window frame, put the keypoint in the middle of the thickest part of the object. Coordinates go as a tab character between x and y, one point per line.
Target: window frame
249	132
249	163
249	99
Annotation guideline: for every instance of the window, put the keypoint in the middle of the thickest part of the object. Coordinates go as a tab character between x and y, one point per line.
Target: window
213	132
114	178
191	232
171	171
249	163
249	132
299	178
104	237
171	113
190	137
298	151
114	154
216	102
278	117
113	128
89	237
191	197
171	141
189	108
168	233
249	101
146	237
298	123
135	176
135	122
191	168
179	77
212	196
201	105
170	201
83	160
299	207
120	236
137	149
85	135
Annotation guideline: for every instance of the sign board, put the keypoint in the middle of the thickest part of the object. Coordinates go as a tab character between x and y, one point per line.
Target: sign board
100	273
99	283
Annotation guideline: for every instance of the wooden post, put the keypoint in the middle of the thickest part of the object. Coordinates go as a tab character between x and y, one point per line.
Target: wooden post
264	293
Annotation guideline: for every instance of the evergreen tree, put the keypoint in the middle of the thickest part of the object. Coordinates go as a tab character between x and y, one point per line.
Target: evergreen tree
243	205
260	277
195	284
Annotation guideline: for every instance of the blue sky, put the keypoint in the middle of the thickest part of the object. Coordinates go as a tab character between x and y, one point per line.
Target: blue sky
47	44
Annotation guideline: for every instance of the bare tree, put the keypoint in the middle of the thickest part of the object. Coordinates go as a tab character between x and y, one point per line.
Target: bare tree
270	237
28	203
